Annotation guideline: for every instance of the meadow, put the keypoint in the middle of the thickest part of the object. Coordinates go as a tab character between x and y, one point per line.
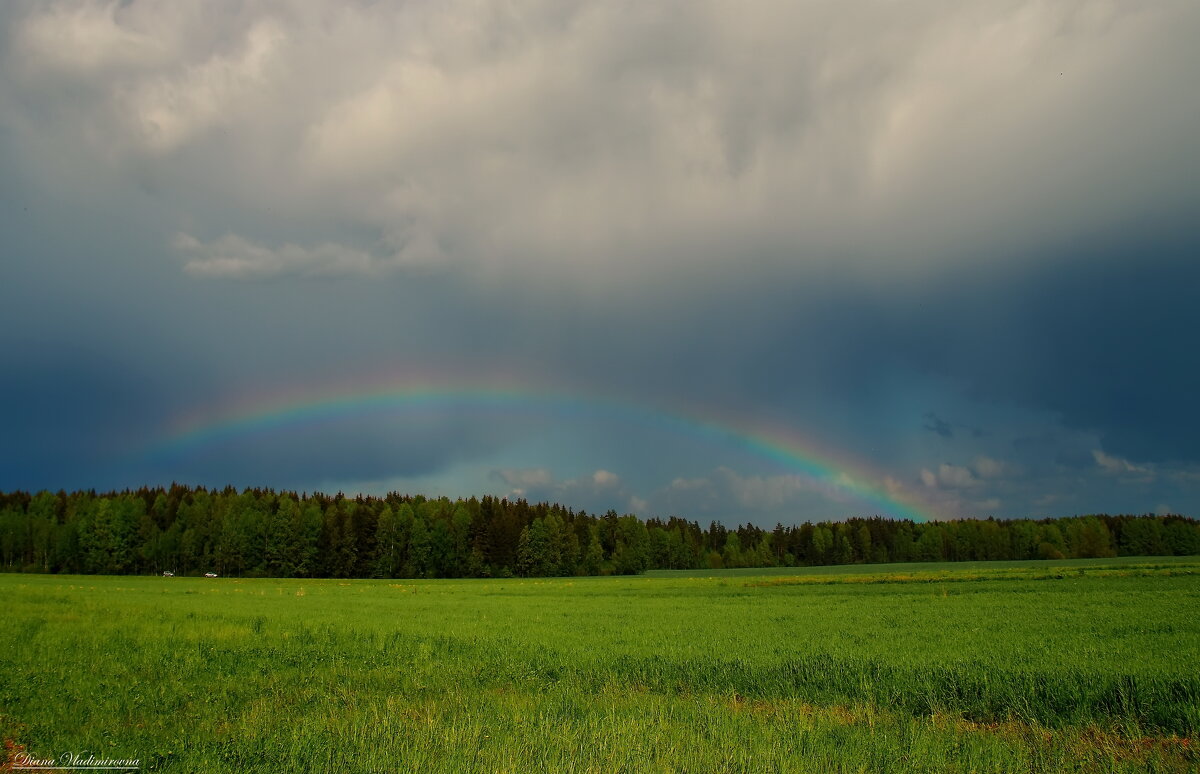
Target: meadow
1074	665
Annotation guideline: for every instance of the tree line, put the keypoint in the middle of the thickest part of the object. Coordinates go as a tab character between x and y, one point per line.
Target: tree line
261	532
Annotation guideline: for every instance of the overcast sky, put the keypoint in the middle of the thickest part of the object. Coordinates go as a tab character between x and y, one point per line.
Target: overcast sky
943	255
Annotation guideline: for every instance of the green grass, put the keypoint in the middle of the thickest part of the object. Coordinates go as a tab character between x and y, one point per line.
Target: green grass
1013	666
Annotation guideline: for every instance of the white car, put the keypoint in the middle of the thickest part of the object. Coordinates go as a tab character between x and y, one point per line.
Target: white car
168	574
210	575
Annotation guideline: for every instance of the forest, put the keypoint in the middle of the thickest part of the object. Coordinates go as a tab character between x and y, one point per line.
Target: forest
264	533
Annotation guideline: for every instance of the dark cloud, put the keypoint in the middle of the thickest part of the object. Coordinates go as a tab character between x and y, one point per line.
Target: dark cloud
1100	338
886	233
935	424
69	417
323	454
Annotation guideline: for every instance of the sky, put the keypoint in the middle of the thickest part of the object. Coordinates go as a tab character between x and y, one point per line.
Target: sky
770	262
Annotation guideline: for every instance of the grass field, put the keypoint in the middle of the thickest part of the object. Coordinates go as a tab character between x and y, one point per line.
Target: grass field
1087	665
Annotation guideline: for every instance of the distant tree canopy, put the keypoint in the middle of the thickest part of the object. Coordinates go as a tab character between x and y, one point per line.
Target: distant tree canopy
258	532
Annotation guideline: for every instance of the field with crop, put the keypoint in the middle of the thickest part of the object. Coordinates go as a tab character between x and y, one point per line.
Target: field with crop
1087	665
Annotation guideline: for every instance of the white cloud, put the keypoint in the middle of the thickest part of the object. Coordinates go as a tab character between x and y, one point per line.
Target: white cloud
1122	467
603	478
760	493
738	493
524	477
169	110
689	484
85	38
986	467
560	137
233	256
602	488
949	477
894	486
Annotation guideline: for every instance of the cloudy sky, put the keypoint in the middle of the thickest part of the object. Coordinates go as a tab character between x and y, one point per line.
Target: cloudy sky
753	262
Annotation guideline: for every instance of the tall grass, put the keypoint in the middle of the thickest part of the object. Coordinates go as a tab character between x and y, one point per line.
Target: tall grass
1031	672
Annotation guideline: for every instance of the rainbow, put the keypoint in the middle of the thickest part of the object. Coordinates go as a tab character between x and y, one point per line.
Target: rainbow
835	475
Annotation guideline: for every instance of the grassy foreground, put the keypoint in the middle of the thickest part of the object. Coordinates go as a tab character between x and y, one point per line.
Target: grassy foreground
1087	665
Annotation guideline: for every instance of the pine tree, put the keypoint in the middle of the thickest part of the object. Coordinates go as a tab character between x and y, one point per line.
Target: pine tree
593	557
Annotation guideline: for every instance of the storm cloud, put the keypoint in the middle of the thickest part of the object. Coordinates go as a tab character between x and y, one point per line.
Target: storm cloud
952	242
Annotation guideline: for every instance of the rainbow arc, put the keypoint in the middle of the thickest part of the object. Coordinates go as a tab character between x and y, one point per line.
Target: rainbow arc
835	474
